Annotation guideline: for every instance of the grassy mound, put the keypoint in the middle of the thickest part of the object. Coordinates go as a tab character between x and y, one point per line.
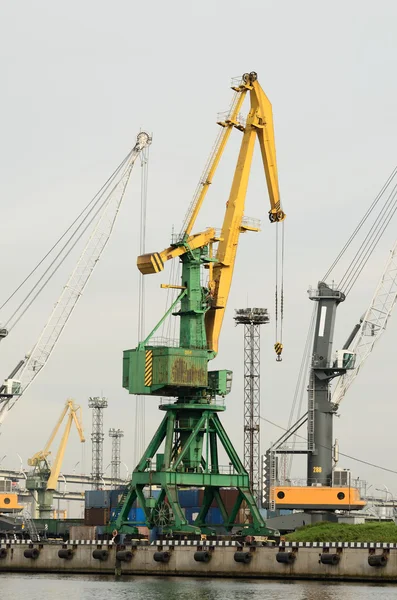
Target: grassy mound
341	532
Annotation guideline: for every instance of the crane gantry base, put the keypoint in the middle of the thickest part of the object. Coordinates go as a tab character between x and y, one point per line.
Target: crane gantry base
201	427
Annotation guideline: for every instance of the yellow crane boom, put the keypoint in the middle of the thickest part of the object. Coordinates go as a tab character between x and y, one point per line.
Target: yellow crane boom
259	124
73	413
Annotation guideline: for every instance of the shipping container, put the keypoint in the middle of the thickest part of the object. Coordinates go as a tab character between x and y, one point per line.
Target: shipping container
214	516
97	499
228	495
115	496
189	498
136	515
96	516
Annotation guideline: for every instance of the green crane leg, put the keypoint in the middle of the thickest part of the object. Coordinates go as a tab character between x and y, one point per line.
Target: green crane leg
180	520
194	434
219	501
153	446
124	512
169	439
207	501
214	453
228	446
142	501
233	514
258	522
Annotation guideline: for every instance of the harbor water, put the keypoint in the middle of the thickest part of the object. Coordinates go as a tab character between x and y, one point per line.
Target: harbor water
65	587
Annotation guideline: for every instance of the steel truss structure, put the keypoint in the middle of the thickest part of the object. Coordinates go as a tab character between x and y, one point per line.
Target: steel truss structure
97	405
115	435
372	325
252	319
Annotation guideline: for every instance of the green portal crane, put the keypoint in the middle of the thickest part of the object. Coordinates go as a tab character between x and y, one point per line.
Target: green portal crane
191	430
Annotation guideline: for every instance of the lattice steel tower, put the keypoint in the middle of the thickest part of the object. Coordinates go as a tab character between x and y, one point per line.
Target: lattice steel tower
252	319
116	435
97	404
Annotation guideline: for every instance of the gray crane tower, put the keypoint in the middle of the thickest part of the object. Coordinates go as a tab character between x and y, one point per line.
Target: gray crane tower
97	404
252	319
319	417
323	369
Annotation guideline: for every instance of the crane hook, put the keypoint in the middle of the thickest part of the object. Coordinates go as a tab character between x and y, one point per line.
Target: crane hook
278	347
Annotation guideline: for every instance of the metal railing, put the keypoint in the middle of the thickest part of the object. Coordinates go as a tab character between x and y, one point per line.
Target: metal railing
225	116
251	222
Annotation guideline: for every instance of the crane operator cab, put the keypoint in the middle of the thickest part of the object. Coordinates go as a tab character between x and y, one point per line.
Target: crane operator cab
345	359
12	387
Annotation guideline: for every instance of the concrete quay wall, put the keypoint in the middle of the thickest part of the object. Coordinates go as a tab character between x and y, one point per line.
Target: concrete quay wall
221	559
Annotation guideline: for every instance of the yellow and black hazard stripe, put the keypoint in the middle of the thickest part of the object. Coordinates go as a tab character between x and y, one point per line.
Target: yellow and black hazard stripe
148	368
157	262
278	348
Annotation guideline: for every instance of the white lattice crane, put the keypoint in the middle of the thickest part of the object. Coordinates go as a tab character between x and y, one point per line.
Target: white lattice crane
372	325
28	368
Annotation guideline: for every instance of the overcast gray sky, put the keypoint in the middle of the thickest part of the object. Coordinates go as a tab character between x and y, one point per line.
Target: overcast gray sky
79	79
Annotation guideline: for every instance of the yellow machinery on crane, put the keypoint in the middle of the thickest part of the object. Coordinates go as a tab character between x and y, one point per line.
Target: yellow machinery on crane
42	481
8	498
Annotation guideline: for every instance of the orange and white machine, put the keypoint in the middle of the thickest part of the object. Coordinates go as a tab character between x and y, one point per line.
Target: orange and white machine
8	498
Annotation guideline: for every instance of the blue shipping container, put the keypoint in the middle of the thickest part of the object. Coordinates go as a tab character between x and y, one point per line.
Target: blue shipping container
214	516
135	515
116	495
97	499
188	498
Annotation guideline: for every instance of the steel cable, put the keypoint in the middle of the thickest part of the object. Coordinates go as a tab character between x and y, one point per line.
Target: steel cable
364	462
98	196
64	247
376	235
140	404
300	385
361	223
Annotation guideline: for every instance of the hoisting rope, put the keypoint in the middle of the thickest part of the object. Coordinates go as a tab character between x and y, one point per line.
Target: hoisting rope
140	403
279	292
76	230
377	227
301	387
